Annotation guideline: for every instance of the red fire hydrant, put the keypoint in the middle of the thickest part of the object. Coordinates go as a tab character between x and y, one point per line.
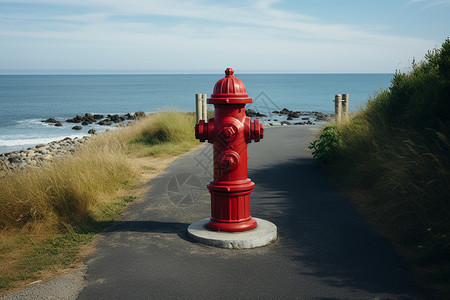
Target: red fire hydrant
230	131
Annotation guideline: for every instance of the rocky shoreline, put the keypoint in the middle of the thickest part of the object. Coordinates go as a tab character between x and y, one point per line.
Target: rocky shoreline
289	117
40	154
89	119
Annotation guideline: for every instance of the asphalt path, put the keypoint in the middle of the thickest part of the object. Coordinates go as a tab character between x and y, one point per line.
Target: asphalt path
325	249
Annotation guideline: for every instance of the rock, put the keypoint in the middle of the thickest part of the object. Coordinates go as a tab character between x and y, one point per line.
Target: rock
92	131
253	114
14	159
47	157
286	123
98	117
306	119
40	146
73	121
50	120
285	111
250	113
84	123
139	114
300	123
294	115
290	118
128	116
77	127
58	123
115	118
105	122
276	112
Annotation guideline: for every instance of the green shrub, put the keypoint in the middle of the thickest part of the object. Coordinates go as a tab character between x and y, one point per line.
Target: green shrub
326	147
397	153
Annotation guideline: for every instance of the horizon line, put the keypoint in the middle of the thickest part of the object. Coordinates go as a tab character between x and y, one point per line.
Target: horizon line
174	72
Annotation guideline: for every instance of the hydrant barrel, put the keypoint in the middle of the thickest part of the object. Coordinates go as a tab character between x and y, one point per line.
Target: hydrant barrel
230	131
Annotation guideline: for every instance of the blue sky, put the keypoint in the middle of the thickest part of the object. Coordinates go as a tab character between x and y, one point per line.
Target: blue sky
200	36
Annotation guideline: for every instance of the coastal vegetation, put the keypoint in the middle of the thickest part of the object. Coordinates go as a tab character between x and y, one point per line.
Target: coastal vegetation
49	213
393	159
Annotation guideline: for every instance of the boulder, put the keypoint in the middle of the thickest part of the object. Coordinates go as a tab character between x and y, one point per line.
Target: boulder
77	127
250	113
139	114
285	123
92	131
14	159
253	114
73	120
58	124
105	122
128	116
50	120
115	118
294	115
285	111
98	117
47	157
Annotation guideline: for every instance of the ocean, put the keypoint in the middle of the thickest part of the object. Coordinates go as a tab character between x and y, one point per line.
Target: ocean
26	100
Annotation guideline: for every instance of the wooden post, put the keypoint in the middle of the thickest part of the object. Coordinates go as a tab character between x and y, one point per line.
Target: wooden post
345	106
337	107
198	106
205	107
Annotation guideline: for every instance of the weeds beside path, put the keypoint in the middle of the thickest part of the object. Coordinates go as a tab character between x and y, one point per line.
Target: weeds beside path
49	215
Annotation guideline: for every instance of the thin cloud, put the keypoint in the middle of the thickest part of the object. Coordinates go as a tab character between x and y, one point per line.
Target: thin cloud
258	13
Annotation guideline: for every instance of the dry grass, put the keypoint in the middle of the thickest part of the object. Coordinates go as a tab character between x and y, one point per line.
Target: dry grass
47	214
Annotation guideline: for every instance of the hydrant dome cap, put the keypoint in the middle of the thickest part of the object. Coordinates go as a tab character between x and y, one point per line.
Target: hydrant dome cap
229	90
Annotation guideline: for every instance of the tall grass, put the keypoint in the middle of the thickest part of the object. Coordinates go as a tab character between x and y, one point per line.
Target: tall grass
396	153
49	211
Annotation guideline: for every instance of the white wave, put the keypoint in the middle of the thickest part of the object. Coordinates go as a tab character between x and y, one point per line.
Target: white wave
34	141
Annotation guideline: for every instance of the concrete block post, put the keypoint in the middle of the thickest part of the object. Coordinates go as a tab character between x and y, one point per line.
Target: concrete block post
205	107
199	107
338	107
345	106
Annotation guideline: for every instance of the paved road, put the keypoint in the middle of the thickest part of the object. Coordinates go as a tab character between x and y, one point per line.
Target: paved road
325	249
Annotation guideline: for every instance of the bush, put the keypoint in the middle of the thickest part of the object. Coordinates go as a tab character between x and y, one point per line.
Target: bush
397	151
325	148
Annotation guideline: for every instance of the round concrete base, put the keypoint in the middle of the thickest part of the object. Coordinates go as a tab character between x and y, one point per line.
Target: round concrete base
264	234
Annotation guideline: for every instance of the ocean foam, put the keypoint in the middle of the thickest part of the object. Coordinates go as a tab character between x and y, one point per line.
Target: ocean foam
34	141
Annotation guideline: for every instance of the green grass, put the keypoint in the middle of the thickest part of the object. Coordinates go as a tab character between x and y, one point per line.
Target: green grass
47	214
395	156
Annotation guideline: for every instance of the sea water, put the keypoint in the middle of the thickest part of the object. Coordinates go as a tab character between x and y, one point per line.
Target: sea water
26	100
